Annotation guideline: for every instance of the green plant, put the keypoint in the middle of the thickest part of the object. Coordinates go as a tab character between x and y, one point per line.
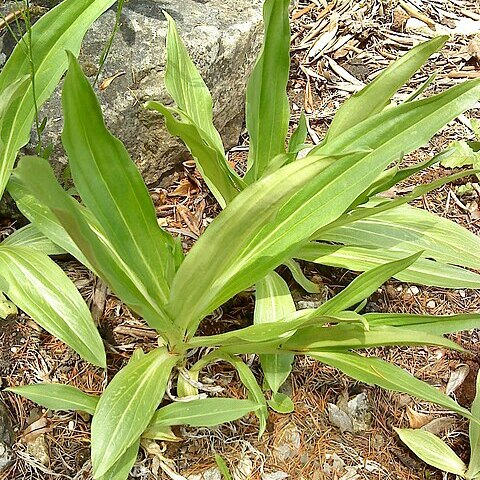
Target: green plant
283	208
28	277
438	454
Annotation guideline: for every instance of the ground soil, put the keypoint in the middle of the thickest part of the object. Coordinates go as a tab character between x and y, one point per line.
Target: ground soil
304	444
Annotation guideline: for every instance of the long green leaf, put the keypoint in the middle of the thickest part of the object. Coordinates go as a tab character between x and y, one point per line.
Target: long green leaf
31	237
300	277
62	28
56	396
423	271
267	108
432	450
346	337
434	324
408	229
127	406
207	412
274	302
41	289
374	371
269	219
365	285
377	94
112	188
474	433
36	177
211	162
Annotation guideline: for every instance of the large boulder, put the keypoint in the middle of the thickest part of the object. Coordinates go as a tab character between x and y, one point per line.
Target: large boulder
222	36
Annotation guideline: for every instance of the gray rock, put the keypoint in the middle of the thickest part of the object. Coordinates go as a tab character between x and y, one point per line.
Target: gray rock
222	36
6	439
351	415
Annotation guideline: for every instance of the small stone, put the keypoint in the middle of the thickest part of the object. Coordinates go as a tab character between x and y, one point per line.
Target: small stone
431	304
413	290
288	444
38	449
14	349
210	474
275	476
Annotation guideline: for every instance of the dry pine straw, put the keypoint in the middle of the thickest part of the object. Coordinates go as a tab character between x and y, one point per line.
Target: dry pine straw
372	33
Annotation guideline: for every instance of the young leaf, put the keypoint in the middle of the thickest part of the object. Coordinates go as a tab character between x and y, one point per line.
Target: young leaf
41	289
281	403
122	467
112	188
267	108
474	433
268	220
365	285
62	28
300	277
57	396
423	271
299	136
29	236
274	302
432	450
207	412
374	371
376	95
127	406
223	468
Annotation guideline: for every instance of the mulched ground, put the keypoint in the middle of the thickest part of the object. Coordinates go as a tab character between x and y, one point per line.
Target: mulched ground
337	47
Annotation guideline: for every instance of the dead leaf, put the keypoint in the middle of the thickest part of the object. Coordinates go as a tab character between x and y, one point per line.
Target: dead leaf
417	419
439	425
457	377
107	81
35	429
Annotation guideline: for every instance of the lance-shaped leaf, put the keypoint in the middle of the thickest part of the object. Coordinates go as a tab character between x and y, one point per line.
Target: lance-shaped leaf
29	236
274	302
112	188
36	177
299	136
207	412
41	289
62	28
211	163
267	108
374	371
434	324
408	229
57	396
423	271
474	434
195	125
122	467
127	406
268	220
377	94
432	450
365	285
354	336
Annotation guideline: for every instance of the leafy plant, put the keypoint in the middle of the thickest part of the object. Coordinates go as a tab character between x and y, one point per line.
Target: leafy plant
283	208
438	454
28	277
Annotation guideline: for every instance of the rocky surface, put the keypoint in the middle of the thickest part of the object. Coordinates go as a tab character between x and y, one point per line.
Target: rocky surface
6	439
223	37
